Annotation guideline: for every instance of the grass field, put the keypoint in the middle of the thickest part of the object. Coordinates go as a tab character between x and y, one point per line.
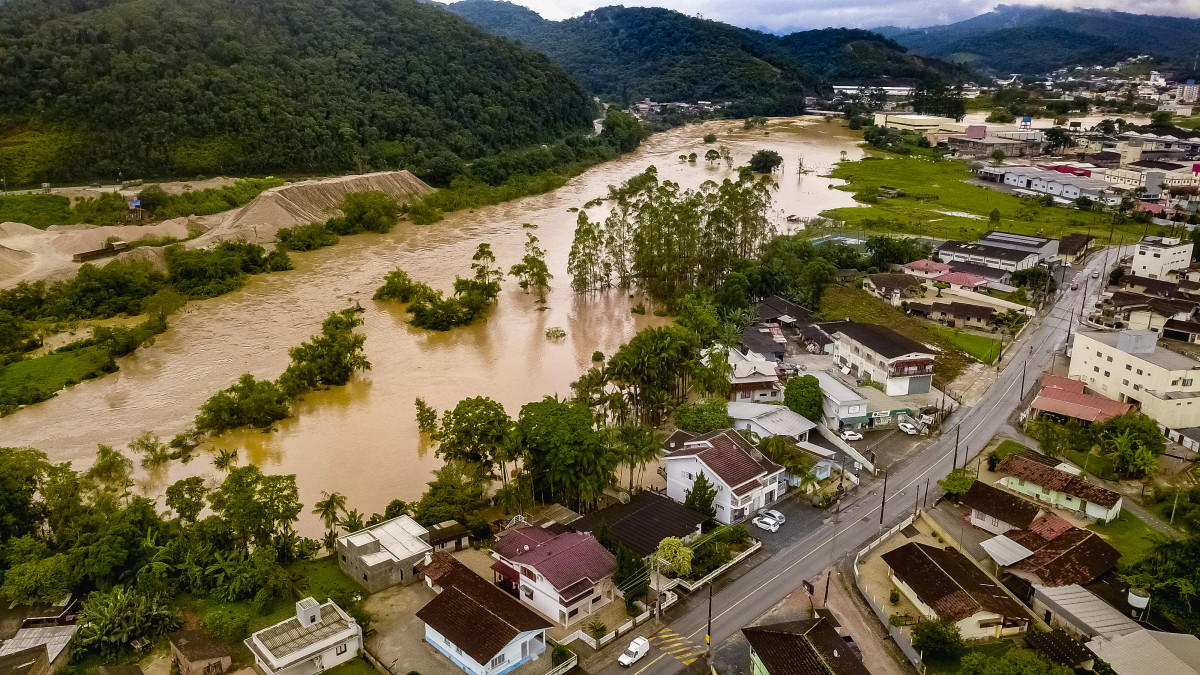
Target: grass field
843	302
983	348
939	217
992	650
1128	534
51	372
1096	465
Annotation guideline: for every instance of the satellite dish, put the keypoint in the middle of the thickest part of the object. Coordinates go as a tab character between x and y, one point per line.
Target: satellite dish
526	547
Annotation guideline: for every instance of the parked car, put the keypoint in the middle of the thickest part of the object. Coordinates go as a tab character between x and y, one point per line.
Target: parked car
773	515
851	435
765	523
908	429
1075	286
636	650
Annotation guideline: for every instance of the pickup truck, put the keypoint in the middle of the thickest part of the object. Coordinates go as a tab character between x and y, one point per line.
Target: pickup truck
637	649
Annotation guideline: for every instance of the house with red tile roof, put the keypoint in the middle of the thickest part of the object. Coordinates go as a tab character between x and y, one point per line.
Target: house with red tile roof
1063	398
475	624
997	510
1052	552
566	576
1040	477
962	280
927	269
745	479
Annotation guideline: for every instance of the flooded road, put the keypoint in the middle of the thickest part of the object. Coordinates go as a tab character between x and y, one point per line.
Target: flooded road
361	439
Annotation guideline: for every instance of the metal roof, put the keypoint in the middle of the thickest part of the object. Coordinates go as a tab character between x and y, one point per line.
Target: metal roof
54	637
399	539
1086	610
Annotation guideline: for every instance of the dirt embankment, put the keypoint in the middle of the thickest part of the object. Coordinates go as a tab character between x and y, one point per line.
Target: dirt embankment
28	254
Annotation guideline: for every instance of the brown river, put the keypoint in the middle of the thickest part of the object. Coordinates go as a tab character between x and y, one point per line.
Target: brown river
361	439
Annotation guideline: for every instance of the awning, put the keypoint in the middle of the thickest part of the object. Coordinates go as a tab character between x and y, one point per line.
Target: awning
511	575
1005	551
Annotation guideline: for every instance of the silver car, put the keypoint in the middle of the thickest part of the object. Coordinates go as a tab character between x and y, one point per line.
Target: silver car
773	515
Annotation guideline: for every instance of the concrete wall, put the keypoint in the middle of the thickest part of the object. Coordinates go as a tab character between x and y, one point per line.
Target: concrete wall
986	522
533	642
1127	376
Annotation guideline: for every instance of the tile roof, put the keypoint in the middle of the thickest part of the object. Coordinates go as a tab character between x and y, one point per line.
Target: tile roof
949	583
1074	244
880	339
1000	504
473	614
522	538
732	458
807	647
196	646
1027	466
928	266
646	520
1059	382
1073	557
566	559
25	661
977	269
956	309
961	279
1089	407
677	439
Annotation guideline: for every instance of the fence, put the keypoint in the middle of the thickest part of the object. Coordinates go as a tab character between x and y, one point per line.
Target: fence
565	666
691	588
897	635
607	638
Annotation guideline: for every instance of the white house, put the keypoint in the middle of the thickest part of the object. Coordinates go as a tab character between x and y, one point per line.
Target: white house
566	576
842	407
769	420
753	378
474	623
944	583
901	364
318	638
745	479
1154	257
998	511
1040	477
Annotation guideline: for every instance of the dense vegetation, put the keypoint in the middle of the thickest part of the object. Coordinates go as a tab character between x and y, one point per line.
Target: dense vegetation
430	309
1016	39
629	53
157	88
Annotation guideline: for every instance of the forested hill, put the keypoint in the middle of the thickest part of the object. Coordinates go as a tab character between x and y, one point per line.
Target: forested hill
156	88
628	53
1014	39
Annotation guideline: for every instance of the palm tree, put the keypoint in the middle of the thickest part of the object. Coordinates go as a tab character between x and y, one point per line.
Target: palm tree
637	447
329	507
353	522
226	460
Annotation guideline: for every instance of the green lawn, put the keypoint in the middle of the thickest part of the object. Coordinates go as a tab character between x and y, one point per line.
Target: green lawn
1128	534
358	666
983	348
949	666
323	579
936	189
1096	465
50	373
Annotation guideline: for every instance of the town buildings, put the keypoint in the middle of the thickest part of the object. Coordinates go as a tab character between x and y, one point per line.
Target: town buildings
1041	478
769	420
317	638
996	510
385	554
1157	257
1065	399
753	378
842	407
902	365
987	255
893	288
805	647
564	575
644	521
745	479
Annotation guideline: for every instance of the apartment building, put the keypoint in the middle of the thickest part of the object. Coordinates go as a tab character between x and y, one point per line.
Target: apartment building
902	365
1156	256
1132	367
987	254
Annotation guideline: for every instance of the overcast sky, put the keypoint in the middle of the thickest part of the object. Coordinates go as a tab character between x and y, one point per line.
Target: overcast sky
784	15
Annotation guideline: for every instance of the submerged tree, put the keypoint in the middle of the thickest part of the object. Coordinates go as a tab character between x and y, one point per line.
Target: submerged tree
531	272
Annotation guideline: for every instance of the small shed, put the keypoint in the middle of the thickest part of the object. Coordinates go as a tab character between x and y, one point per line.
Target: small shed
197	654
449	535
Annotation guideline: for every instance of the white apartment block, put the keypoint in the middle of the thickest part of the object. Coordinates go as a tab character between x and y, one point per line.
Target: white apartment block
1132	367
1156	256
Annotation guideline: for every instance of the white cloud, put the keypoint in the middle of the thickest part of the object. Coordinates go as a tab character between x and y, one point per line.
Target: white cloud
783	15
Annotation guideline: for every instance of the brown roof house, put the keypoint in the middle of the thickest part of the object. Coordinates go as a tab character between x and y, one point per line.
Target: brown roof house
318	638
1064	398
745	479
1045	480
474	623
564	575
997	510
1052	552
196	654
31	661
1072	247
944	583
806	647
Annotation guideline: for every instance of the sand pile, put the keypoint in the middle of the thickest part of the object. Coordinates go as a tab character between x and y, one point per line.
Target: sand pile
307	202
72	239
14	262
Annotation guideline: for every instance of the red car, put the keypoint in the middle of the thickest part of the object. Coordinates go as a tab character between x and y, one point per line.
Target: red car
1075	286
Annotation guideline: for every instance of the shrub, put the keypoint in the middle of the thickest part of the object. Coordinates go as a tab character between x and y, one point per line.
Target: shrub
228	623
710	138
559	655
370	211
937	639
306	237
597	629
894	596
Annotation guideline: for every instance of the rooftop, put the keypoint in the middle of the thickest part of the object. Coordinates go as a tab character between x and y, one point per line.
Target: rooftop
985	251
1074	244
1001	504
1027	466
961	279
1060	647
472	613
890	283
55	638
879	339
399	539
928	266
23	662
1078	405
949	582
807	647
776	419
196	646
1013	238
567	559
1145	651
732	458
289	641
1092	614
977	269
1161	356
645	521
837	390
1073	557
775	308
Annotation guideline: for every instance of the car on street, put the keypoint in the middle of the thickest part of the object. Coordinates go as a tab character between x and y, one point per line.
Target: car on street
773	515
908	428
851	435
1075	286
765	523
1096	274
636	650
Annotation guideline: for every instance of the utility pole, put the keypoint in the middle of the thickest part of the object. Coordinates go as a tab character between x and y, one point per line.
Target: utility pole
925	503
708	631
957	430
883	503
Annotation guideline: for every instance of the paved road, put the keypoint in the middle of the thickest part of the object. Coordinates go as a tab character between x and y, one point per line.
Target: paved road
739	603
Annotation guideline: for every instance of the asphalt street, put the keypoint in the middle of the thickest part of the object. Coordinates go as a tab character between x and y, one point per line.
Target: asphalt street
740	602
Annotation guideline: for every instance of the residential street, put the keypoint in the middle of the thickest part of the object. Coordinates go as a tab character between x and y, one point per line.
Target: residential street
739	602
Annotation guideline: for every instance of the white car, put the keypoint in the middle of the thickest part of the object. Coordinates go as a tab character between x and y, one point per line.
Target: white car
765	523
908	429
851	435
637	649
773	515
1095	275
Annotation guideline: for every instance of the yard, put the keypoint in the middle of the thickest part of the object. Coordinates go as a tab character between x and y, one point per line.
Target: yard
951	665
981	347
940	204
1128	534
843	302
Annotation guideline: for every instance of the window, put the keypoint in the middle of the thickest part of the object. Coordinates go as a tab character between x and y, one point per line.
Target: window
341	649
1187	382
1128	367
1139	371
528	573
1137	387
571	614
1099	354
1106	373
343	557
1156	255
1175	382
596	599
500	658
364	577
745	394
1110	359
995	522
1095	369
527	591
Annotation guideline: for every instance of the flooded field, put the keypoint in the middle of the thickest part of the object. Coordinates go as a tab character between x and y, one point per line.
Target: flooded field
361	440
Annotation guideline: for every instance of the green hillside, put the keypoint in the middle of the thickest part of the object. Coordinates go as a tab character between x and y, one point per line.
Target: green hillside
628	53
153	88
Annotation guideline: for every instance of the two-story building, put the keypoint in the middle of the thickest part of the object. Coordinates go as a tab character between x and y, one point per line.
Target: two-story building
318	638
841	406
745	479
385	554
474	623
752	378
1155	257
766	420
566	576
902	365
1135	367
1040	477
987	255
1044	247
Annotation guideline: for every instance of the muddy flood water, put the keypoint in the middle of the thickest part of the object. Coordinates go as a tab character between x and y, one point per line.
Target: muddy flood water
361	439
